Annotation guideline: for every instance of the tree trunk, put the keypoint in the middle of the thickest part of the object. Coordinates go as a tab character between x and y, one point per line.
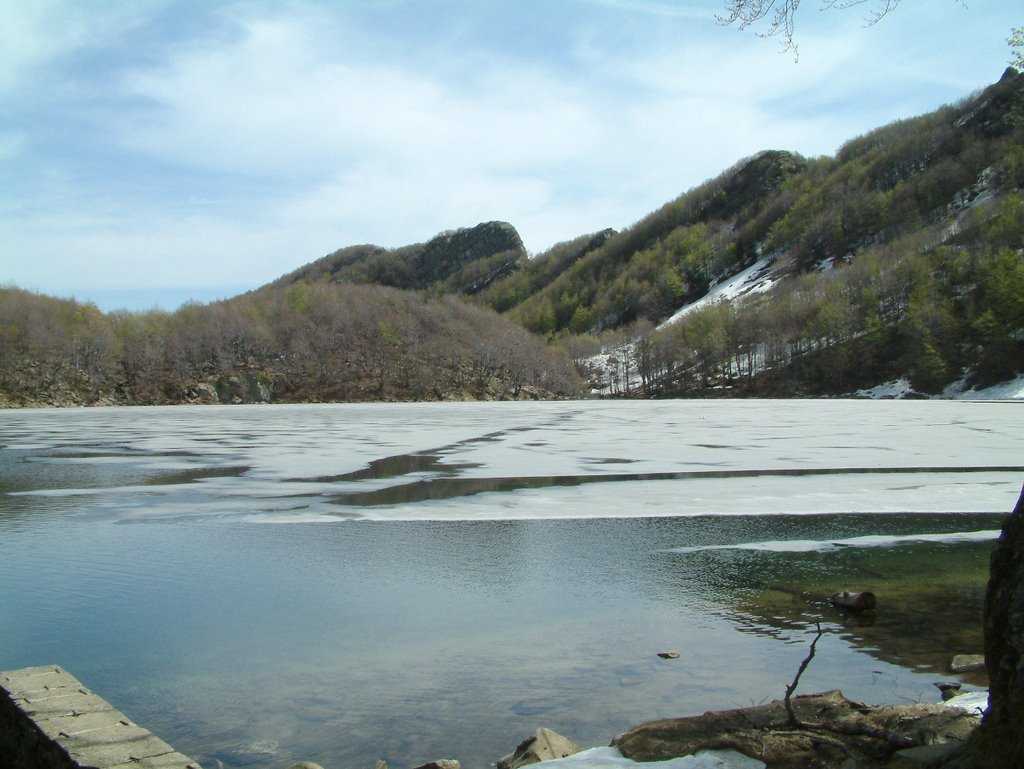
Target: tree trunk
999	740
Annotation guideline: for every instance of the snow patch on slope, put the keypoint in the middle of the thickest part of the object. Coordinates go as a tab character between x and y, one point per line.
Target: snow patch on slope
901	388
617	364
1012	390
756	279
898	388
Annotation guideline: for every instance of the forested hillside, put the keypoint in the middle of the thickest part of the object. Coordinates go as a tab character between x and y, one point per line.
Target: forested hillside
303	343
901	256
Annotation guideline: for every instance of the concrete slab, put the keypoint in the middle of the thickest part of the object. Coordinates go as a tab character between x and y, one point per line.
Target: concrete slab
51	721
69	724
66	704
39	679
104	750
166	761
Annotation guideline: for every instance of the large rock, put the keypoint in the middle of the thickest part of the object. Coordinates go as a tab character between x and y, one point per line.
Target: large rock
543	745
965	663
441	763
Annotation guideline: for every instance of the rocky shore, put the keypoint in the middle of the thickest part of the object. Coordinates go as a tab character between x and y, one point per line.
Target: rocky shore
815	731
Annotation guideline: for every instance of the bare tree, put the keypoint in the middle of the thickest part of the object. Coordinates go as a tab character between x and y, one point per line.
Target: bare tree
782	15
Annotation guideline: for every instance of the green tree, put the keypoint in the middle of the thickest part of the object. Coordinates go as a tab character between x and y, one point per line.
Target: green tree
1016	43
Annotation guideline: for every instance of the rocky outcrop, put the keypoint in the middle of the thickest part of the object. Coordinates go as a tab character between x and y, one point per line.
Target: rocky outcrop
450	253
463	261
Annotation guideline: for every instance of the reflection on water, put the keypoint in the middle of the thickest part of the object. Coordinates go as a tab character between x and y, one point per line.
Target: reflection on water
446	485
145	550
411	640
930	597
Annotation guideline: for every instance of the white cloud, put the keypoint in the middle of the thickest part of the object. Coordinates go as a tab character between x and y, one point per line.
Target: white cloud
83	254
655	8
29	37
228	140
36	33
275	101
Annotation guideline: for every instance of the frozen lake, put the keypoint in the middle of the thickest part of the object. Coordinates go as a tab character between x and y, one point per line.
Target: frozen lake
342	583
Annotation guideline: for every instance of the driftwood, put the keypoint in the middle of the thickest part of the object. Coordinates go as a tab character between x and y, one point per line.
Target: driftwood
832	729
864	601
818	731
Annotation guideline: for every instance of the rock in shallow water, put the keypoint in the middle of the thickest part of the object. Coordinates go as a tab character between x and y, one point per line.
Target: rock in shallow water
965	663
544	745
441	763
863	601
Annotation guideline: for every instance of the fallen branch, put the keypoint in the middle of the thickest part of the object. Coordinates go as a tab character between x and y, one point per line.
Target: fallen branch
793	720
853	730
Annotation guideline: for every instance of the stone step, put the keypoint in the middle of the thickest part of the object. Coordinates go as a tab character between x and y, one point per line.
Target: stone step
49	720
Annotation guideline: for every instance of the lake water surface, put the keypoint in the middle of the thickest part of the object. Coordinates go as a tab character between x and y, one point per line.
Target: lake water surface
342	583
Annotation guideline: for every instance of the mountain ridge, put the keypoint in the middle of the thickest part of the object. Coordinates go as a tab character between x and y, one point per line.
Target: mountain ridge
900	256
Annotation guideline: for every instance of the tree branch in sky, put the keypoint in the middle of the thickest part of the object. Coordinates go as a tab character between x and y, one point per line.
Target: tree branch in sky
782	14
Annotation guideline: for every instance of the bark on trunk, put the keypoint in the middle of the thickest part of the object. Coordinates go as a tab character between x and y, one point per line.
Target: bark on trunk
999	740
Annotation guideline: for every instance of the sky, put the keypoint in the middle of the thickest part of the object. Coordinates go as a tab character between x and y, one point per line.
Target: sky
154	152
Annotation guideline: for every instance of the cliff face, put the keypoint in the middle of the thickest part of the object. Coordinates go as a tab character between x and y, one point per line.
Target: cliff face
461	261
450	256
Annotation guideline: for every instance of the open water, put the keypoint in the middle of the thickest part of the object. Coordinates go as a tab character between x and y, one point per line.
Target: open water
342	583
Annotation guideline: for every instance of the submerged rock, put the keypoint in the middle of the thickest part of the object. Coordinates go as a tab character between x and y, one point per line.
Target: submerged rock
864	601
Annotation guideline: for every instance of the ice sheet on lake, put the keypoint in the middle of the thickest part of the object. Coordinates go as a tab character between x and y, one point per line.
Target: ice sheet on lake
814	545
611	758
516	461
